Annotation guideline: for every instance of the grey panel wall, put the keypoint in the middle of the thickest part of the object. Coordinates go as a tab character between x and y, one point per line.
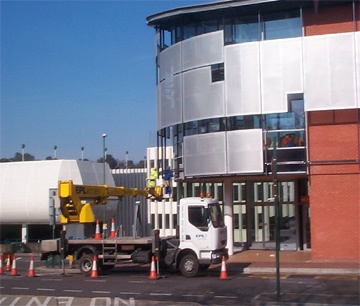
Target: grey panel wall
205	154
202	98
281	73
245	151
331	71
242	79
203	50
124	217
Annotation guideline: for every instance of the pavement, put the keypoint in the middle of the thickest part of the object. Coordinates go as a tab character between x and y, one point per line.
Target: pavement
290	262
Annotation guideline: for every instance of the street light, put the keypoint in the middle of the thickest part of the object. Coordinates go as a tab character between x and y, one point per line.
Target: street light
82	153
126	159
55	147
23	151
104	158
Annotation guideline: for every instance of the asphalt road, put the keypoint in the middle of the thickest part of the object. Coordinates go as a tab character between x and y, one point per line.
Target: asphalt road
131	285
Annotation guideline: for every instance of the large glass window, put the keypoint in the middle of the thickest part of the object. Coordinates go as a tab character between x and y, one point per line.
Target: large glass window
282	25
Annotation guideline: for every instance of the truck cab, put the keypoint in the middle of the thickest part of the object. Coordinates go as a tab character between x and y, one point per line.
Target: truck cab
202	236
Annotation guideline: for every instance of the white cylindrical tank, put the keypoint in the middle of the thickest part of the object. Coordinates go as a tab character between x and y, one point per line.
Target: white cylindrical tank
25	187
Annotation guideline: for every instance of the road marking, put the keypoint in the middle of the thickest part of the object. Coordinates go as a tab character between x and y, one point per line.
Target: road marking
104	292
193	295
155	293
20	288
72	290
225	297
52	279
45	289
132	293
138	282
95	280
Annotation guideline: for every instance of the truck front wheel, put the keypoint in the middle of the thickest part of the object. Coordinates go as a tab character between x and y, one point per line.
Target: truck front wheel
86	263
189	265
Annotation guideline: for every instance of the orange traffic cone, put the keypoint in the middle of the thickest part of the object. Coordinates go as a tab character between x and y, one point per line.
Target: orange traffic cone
13	267
112	232
1	265
94	271
8	263
31	272
97	231
223	273
153	274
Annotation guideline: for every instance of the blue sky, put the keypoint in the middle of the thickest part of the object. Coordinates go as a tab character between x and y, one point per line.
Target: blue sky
73	70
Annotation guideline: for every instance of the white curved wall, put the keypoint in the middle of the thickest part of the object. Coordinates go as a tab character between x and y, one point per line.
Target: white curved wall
24	186
258	76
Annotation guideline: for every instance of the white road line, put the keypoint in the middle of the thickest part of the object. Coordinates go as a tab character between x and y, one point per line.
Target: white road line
193	295
155	293
45	289
225	297
104	292
72	290
138	282
95	280
132	293
20	288
51	279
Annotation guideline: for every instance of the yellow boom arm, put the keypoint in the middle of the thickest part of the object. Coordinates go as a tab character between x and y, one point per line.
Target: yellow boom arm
72	198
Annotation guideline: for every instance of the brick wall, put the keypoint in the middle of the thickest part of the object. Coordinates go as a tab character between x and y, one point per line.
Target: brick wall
334	149
331	19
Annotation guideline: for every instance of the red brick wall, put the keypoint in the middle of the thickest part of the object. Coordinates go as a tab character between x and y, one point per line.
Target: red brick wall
334	150
331	19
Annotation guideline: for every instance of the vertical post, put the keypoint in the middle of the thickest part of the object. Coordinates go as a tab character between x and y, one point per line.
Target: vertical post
277	214
23	152
82	153
55	147
104	160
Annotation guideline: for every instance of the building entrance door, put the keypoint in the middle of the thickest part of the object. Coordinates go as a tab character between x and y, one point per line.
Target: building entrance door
261	229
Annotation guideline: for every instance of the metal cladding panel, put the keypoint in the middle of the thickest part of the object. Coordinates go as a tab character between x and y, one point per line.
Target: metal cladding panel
330	71
125	213
24	188
170	61
170	105
203	50
202	98
205	154
242	79
245	151
281	73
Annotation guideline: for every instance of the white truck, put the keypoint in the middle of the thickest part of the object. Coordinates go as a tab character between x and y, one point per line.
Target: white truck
200	241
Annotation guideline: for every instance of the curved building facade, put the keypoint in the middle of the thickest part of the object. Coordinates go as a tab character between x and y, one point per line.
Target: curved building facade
242	82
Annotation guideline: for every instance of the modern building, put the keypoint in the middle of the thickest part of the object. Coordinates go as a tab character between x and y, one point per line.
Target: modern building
241	82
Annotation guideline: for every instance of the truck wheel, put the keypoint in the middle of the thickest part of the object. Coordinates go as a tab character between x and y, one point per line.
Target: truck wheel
189	265
86	263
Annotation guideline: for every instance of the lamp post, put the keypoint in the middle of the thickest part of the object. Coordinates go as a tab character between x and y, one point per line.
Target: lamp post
104	158
126	159
23	152
82	153
104	155
55	147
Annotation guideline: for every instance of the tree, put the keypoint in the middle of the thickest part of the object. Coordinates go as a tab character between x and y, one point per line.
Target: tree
27	157
110	160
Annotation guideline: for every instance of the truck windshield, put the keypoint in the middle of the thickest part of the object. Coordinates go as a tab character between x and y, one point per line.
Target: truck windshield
216	215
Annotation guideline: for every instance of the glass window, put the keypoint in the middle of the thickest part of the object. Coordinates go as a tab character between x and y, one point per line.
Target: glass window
189	31
282	25
216	215
198	217
207	27
245	30
217	72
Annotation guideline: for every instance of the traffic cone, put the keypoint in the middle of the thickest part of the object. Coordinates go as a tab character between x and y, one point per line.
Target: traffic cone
153	274
31	272
13	267
1	265
94	271
97	231
223	273
112	232
8	263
